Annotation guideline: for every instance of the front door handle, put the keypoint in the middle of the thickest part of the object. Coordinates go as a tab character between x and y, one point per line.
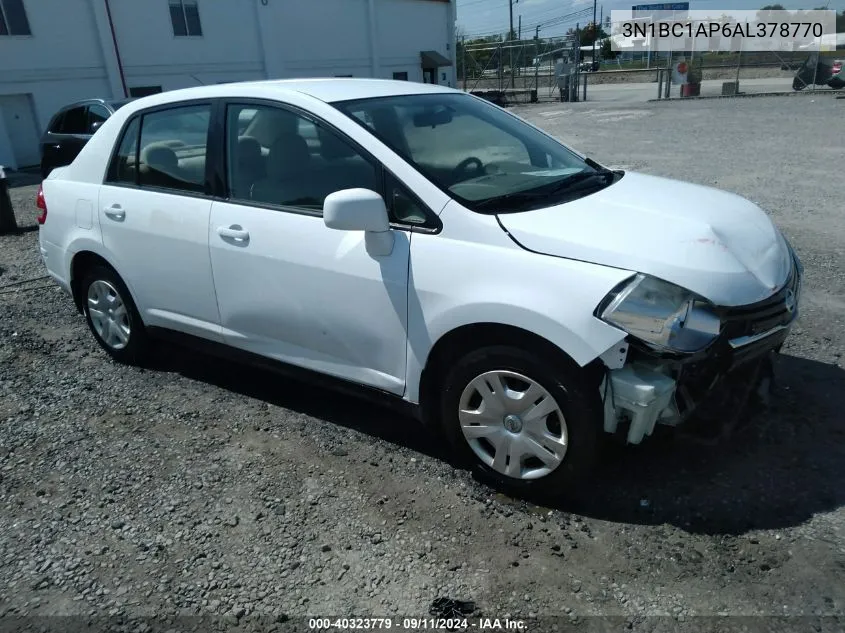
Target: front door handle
234	232
115	212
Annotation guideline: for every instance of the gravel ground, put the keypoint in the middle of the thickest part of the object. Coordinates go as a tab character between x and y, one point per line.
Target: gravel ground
198	488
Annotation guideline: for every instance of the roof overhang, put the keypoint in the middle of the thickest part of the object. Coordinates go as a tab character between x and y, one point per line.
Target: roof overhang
433	59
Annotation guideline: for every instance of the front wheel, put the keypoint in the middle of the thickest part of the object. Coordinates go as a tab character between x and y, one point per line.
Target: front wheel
112	316
524	422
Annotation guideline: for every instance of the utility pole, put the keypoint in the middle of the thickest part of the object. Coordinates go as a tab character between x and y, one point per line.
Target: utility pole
510	37
464	59
595	36
510	6
519	36
537	61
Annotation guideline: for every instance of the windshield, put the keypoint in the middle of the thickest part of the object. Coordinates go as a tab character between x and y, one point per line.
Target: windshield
485	158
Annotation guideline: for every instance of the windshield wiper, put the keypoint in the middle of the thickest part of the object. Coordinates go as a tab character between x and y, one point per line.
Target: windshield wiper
517	198
571	183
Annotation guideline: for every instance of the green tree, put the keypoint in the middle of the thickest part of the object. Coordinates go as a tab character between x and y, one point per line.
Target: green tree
607	51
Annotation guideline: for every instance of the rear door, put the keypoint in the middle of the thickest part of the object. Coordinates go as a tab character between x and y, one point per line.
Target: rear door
154	215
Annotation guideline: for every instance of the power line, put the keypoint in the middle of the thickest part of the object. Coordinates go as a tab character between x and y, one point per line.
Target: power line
543	24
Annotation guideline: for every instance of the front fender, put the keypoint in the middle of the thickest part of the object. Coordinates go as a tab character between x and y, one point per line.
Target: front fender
454	283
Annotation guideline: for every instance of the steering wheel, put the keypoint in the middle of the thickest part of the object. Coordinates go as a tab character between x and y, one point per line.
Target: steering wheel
463	167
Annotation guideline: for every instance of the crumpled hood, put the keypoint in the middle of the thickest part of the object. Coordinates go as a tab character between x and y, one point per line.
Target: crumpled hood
716	244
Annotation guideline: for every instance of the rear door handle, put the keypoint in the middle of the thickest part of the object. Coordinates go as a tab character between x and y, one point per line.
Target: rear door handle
115	212
234	232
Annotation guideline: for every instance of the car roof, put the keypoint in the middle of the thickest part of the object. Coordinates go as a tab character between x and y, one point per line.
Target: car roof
329	90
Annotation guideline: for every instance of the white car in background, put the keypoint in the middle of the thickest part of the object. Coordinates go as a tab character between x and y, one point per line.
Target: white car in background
424	245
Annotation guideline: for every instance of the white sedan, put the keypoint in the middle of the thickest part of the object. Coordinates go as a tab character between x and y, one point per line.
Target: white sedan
426	246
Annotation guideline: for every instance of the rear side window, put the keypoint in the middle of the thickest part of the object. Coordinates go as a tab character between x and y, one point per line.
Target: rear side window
75	121
97	115
124	165
173	148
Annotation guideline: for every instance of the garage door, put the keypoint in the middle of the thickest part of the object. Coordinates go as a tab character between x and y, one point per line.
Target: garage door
18	115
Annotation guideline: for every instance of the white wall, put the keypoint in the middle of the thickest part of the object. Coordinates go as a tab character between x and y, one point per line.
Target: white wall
70	54
40	64
406	27
228	49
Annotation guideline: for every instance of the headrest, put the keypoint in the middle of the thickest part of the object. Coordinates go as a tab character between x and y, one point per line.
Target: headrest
289	154
331	147
160	157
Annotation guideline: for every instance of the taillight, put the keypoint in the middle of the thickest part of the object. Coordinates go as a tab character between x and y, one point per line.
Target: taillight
837	68
41	218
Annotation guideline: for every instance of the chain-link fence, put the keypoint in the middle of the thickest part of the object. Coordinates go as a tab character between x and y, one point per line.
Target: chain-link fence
717	72
520	71
516	71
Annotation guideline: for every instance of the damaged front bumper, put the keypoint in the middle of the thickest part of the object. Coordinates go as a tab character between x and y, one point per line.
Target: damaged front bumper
654	388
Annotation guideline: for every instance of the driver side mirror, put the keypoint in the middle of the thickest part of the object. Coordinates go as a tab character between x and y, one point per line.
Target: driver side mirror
360	210
96	125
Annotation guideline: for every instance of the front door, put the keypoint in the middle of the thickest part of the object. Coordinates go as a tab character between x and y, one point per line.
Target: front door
19	119
154	219
430	75
288	287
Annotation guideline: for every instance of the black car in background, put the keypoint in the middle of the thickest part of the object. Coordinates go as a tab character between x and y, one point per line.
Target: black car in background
70	129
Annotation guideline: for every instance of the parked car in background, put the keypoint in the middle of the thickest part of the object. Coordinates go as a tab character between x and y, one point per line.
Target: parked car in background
428	247
71	128
821	71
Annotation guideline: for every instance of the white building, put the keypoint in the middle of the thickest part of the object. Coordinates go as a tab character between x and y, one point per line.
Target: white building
54	52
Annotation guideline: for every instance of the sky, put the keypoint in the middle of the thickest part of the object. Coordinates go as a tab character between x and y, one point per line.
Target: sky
486	17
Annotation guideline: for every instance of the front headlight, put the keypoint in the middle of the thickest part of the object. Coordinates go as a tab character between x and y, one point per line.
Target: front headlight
662	315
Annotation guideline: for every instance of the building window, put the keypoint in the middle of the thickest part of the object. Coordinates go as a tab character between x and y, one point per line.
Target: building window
13	19
185	16
144	91
401	76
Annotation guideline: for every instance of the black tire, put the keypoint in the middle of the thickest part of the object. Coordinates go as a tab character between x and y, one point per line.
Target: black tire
798	85
579	403
136	348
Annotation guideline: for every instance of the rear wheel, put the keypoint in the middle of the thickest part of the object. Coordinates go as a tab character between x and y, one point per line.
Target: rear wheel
525	423
112	316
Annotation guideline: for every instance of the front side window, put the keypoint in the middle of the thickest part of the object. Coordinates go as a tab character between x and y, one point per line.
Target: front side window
56	124
278	157
479	154
173	146
185	17
13	20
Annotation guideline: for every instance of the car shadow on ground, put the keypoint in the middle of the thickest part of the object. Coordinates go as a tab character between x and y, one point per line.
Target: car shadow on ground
299	396
786	466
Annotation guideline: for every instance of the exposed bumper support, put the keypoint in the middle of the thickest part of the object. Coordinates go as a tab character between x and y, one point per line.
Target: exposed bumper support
644	393
636	395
